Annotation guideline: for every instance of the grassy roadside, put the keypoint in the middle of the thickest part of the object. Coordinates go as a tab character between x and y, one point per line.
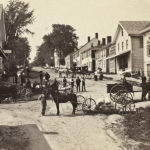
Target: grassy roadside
13	138
137	127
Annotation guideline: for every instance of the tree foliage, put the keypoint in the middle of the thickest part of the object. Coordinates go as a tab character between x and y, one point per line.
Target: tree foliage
62	38
17	18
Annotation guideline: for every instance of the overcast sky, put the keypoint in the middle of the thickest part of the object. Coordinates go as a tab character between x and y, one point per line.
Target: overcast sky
86	16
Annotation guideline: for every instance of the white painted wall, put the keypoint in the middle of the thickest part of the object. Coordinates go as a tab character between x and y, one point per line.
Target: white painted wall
146	57
125	49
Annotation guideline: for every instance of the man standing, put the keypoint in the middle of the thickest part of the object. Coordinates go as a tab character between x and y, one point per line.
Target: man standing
72	84
64	82
78	84
41	78
23	79
43	97
144	88
83	84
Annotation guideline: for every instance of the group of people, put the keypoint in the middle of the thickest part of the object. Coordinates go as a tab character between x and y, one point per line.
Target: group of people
78	83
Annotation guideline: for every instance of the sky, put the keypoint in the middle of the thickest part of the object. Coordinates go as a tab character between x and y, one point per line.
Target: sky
86	16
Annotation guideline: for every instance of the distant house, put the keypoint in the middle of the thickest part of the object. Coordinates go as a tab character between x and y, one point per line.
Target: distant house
129	46
2	37
111	58
101	53
69	61
87	54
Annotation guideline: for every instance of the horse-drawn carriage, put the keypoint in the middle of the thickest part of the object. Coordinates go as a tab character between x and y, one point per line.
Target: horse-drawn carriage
62	96
12	92
122	94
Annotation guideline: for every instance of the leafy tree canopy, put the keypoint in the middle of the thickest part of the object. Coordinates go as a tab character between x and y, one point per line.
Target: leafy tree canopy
62	38
17	18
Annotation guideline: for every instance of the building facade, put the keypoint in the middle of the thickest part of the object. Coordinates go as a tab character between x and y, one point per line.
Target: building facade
87	54
111	58
69	61
129	46
146	35
2	37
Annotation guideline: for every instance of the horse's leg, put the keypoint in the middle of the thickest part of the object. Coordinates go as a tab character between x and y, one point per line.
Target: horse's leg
57	106
74	105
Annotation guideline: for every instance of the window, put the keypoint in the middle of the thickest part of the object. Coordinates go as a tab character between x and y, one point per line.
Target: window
122	45
141	42
126	44
148	50
122	32
118	47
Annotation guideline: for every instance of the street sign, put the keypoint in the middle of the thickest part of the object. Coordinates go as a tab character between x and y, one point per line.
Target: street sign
7	51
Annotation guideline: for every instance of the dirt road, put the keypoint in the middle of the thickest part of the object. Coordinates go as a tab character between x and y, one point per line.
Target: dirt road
66	132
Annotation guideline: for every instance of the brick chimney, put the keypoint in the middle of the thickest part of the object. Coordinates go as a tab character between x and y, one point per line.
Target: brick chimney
89	39
99	42
108	39
96	35
103	41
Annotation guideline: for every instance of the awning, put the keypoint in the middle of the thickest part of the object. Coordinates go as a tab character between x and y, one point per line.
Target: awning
124	53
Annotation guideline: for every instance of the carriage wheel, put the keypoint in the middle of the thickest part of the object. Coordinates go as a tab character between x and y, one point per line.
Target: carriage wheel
114	90
88	105
123	95
80	101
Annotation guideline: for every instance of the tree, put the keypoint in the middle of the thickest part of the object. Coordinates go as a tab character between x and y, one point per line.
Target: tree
17	18
62	38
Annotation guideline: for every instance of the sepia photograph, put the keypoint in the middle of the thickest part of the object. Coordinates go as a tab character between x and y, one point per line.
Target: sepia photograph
74	74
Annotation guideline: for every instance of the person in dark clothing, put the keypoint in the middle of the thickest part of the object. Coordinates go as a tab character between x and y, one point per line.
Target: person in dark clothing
101	76
64	82
78	84
144	88
41	78
83	84
72	84
43	98
4	76
149	89
28	84
47	76
28	72
15	77
23	79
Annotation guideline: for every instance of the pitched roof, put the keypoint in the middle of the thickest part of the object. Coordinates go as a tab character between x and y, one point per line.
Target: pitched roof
134	27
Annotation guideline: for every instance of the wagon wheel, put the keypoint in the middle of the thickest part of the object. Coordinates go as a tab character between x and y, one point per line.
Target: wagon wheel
127	103
114	90
80	101
122	95
89	105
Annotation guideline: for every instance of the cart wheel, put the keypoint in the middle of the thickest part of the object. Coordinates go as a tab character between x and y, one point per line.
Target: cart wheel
88	105
132	106
114	90
80	101
123	96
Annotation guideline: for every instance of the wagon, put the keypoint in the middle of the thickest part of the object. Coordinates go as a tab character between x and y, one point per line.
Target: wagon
8	92
122	94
